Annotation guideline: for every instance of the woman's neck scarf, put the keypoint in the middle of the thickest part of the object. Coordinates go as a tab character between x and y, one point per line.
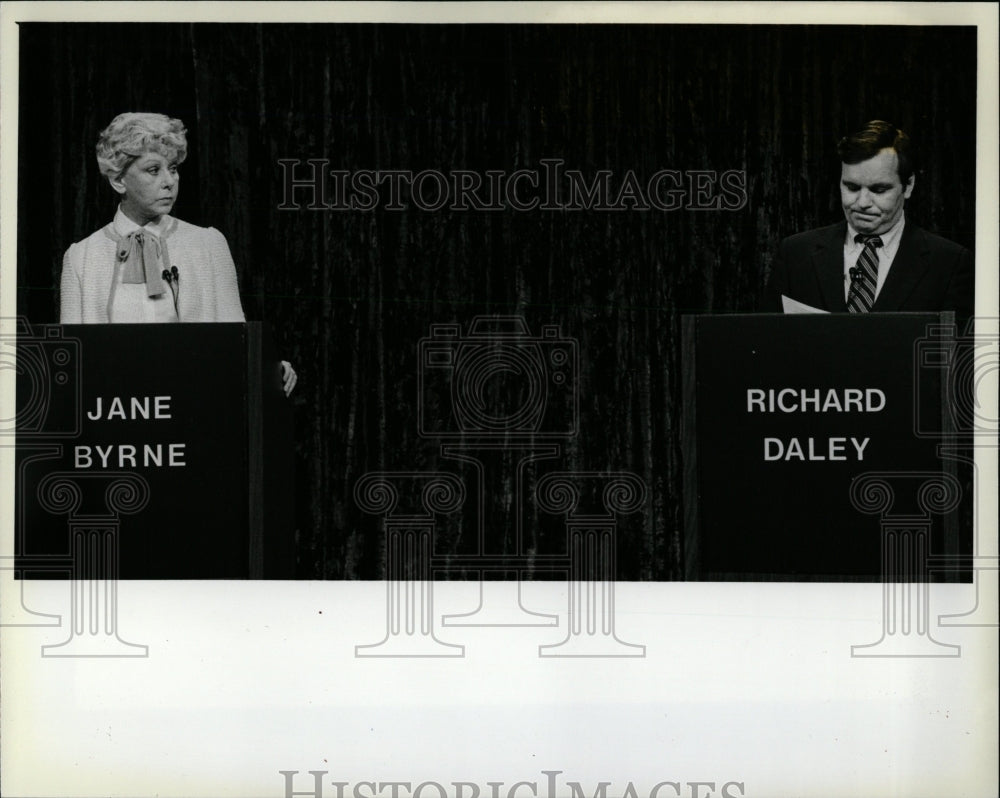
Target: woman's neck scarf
144	260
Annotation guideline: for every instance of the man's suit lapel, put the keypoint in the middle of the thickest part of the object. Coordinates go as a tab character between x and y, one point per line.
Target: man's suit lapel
828	261
908	267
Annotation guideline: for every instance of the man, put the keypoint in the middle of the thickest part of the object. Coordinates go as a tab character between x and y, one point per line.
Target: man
875	260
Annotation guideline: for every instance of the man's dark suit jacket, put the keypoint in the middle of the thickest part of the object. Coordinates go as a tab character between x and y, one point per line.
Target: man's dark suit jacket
928	274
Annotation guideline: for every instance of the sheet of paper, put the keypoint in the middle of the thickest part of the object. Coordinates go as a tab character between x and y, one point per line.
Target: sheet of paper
790	305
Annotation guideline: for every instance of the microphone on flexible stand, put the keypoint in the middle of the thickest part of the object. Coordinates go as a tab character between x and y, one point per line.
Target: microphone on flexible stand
172	278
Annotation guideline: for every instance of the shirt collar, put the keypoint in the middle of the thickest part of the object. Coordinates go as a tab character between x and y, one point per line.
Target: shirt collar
123	225
889	237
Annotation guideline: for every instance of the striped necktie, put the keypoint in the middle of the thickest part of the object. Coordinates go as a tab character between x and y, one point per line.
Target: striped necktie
864	276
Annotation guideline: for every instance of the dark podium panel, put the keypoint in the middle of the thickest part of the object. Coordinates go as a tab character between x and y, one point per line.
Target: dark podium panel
153	451
811	447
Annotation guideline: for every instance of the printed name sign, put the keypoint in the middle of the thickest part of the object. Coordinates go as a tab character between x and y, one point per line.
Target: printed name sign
783	413
152	461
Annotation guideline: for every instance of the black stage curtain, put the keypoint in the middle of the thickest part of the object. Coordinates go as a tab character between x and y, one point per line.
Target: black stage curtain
348	294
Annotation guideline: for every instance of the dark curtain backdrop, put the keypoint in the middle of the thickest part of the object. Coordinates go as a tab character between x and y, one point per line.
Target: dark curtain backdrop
348	294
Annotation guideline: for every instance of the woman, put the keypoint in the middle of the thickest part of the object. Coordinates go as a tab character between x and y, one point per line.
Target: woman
146	266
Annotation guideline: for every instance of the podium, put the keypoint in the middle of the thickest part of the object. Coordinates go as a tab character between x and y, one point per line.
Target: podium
813	449
152	451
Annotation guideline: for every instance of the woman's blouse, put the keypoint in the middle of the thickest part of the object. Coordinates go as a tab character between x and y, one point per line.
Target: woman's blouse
205	290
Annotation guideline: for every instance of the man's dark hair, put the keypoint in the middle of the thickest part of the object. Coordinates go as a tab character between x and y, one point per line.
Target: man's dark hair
871	140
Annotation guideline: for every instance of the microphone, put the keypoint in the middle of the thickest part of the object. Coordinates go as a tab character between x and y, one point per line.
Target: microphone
172	277
856	274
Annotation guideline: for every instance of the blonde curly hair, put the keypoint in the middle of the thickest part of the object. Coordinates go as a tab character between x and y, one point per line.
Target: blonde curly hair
131	135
